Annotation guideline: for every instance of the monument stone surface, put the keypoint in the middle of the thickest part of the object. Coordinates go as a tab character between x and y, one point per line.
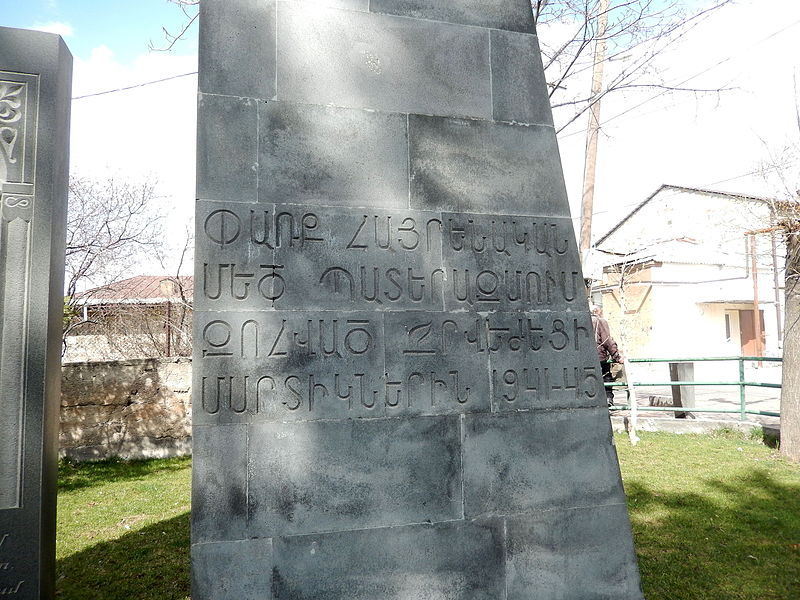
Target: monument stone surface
396	390
35	86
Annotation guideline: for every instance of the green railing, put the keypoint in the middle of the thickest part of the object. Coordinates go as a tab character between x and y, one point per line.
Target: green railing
742	383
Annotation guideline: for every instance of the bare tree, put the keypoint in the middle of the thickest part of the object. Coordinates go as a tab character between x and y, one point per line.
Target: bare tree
111	226
190	13
636	34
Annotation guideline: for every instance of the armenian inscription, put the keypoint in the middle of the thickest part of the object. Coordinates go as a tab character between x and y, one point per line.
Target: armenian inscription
10	584
392	313
304	257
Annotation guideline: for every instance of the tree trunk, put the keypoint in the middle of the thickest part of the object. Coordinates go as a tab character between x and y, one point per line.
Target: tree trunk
790	392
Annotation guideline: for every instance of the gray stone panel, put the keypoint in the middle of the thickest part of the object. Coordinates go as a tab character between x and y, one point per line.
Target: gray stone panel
234	255
239	570
543	360
519	88
434	363
448	561
35	90
326	476
539	460
364	260
382	62
227	152
362	5
219	483
288	366
502	262
514	15
326	155
583	553
237	48
485	167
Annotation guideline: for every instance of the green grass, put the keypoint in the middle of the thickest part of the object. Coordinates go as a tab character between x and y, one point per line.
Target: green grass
714	518
123	530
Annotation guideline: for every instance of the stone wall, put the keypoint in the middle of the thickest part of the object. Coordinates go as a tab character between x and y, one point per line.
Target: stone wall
130	409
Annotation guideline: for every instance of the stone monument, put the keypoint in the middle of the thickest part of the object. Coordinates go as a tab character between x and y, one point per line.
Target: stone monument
396	388
35	86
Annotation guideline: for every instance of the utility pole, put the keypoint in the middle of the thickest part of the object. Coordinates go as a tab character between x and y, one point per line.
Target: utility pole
593	131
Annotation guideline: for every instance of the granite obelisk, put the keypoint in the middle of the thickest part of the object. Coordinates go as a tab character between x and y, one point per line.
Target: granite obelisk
35	86
396	390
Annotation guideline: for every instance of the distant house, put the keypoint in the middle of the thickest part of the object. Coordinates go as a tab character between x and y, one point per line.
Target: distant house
684	259
140	317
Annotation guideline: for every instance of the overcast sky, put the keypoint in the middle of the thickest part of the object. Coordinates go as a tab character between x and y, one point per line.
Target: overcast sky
710	141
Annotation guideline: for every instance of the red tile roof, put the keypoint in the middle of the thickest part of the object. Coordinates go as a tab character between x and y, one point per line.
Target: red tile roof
142	288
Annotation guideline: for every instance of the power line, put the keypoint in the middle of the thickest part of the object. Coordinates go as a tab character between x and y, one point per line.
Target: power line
138	85
698	74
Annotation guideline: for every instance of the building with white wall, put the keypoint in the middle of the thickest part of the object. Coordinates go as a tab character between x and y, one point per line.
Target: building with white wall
678	276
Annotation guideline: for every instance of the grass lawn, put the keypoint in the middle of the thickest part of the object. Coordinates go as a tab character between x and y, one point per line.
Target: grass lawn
714	518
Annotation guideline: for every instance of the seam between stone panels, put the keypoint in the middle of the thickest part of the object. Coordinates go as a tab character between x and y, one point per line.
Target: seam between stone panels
247	474
408	157
491	76
461	436
258	152
275	20
505	558
368	528
232	96
533	512
390	112
437	21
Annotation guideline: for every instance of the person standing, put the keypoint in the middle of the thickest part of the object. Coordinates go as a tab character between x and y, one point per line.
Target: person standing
607	350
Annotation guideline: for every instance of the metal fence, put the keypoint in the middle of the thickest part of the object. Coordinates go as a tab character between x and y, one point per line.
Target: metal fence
742	383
